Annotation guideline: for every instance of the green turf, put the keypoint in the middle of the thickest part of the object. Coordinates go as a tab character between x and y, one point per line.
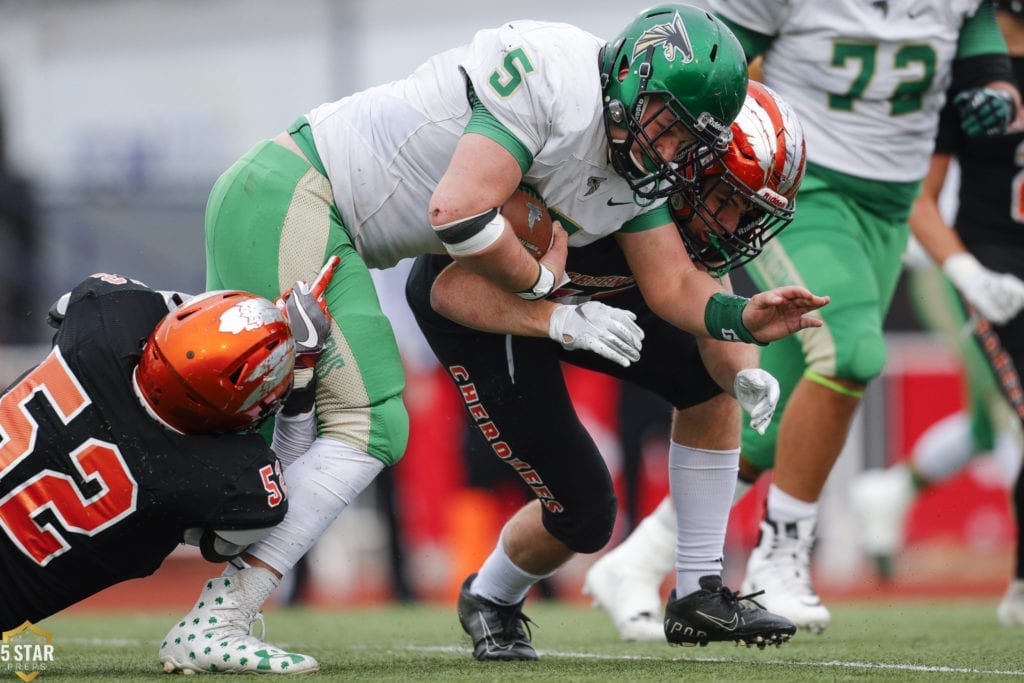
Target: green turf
898	641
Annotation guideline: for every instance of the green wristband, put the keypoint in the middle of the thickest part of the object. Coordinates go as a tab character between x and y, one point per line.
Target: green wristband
723	316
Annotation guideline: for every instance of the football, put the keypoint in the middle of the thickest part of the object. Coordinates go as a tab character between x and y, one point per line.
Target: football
529	218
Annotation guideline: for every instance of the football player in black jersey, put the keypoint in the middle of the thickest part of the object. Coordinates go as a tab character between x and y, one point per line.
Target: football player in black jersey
982	254
516	396
127	439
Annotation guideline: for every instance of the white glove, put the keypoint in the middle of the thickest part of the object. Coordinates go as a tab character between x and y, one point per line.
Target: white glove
609	332
758	393
221	546
997	296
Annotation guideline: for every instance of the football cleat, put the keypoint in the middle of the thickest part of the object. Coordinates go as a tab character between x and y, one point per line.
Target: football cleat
880	499
214	637
780	567
715	613
628	591
499	632
1010	611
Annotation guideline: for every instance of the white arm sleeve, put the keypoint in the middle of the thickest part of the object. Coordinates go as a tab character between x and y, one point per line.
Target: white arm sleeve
293	435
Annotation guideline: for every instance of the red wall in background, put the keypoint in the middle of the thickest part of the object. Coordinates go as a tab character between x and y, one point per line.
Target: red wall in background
965	509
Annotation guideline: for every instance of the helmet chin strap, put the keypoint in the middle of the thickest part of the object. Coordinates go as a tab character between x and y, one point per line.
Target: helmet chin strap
637	162
145	404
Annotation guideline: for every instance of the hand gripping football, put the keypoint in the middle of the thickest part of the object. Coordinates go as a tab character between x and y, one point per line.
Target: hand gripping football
529	218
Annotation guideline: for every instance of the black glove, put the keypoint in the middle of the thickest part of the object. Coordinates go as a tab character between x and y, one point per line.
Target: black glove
303	393
985	111
216	549
55	316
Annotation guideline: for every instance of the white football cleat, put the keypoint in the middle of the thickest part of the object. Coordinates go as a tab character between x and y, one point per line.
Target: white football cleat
214	636
629	592
1010	611
780	565
880	499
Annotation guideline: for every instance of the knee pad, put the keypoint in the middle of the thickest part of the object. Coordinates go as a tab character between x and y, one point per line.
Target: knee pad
587	530
860	361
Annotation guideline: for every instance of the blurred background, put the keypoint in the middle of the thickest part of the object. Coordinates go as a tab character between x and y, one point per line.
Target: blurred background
116	117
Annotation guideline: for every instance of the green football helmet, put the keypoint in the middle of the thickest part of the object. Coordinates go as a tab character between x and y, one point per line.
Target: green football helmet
680	58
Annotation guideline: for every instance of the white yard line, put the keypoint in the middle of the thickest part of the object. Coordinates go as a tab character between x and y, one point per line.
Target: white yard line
728	660
880	666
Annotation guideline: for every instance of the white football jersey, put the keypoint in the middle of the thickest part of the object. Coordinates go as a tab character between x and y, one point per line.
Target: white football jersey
867	77
386	148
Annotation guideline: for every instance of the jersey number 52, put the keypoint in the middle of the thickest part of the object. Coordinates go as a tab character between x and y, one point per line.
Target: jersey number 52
97	462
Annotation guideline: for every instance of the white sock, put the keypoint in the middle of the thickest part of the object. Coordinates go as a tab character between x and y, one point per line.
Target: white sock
944	448
783	508
703	483
321	483
500	580
255	586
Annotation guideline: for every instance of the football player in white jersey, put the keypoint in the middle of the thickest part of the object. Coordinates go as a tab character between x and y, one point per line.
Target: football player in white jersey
515	394
868	80
419	165
981	253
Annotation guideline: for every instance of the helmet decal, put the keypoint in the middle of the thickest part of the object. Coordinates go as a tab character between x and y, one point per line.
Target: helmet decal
670	36
749	195
269	373
248	315
220	362
673	81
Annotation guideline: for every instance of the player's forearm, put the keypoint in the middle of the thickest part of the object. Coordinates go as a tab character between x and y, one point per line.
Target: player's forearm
480	304
505	263
929	228
683	302
293	435
724	360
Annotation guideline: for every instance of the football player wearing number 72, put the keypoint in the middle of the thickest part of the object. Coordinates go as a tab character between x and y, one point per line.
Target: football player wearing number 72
868	80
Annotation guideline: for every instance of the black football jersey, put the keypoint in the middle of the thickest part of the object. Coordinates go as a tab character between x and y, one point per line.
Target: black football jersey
92	490
991	210
596	271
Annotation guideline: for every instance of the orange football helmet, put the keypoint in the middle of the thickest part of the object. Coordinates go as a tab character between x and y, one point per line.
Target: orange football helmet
221	362
749	195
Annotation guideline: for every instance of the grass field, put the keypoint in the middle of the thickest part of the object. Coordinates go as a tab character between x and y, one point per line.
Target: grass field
903	641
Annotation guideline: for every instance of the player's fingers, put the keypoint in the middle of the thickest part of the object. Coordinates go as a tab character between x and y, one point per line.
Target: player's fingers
323	278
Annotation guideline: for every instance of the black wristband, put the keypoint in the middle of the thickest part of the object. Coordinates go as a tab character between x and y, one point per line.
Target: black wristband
300	401
542	286
979	70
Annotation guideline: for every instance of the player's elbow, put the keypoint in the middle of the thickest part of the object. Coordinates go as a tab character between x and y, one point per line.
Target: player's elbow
468	236
442	297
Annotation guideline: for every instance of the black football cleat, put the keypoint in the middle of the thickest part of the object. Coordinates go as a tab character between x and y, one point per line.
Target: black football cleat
499	632
715	613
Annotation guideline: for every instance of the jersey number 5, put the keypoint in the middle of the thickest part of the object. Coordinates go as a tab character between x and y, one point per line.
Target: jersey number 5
97	462
516	65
